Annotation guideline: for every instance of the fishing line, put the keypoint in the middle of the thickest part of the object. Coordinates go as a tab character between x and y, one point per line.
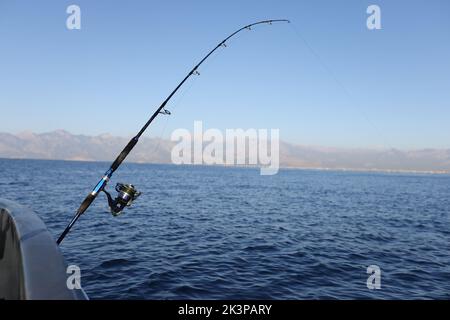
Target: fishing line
172	110
184	94
341	85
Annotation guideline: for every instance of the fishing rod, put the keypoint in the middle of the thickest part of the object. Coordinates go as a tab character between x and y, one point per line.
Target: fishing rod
127	193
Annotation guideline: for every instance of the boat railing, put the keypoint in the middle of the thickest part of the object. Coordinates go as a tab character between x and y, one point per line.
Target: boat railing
31	264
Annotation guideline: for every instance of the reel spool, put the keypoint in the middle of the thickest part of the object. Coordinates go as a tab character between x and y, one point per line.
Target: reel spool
126	194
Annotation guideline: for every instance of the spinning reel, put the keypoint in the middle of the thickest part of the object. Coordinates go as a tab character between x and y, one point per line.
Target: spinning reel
127	193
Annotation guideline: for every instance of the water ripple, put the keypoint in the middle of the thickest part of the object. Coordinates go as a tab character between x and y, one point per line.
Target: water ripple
228	233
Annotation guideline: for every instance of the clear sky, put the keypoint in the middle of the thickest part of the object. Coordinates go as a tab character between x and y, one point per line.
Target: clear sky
346	86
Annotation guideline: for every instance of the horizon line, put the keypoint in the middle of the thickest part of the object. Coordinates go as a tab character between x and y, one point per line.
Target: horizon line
370	148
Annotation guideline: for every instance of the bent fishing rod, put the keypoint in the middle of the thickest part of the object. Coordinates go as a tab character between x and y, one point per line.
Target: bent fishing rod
127	192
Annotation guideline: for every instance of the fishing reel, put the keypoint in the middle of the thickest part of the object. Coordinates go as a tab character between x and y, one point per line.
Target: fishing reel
127	193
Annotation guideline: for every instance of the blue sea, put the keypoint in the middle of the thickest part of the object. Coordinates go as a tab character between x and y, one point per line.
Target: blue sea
200	232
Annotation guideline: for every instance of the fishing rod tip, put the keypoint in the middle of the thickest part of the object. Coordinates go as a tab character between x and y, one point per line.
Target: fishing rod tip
279	20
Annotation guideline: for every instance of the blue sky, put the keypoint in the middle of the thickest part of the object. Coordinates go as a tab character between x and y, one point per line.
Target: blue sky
348	86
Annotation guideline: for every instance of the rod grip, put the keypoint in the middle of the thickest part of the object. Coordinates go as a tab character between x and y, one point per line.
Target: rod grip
124	153
85	204
83	207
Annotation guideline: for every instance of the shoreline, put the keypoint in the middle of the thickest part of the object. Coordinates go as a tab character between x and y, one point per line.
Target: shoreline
359	170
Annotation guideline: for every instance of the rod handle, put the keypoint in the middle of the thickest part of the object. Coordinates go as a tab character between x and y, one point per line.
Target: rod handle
83	207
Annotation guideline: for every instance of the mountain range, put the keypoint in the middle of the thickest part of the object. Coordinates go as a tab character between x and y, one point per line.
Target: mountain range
62	145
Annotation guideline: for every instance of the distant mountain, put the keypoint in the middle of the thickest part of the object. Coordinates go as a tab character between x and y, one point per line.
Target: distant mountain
63	145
